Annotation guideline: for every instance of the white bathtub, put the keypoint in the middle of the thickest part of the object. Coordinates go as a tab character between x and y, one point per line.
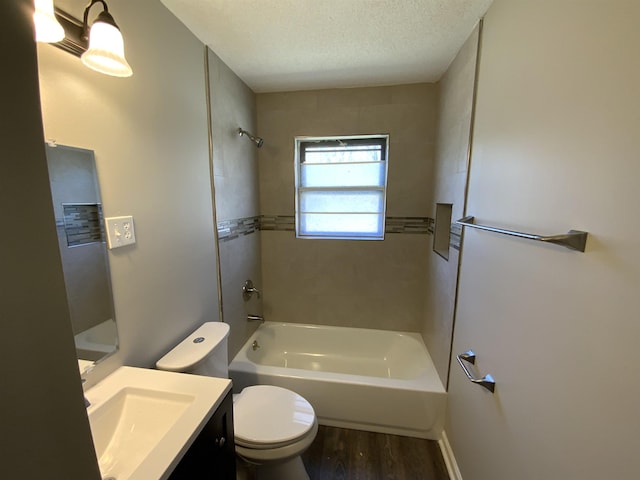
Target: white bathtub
373	380
98	341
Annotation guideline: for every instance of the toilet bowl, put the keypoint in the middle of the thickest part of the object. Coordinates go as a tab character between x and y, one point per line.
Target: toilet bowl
273	426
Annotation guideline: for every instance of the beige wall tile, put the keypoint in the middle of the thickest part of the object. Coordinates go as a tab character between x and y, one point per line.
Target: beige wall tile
366	284
287	101
353	97
410	179
363	284
234	157
239	262
449	175
420	93
236	194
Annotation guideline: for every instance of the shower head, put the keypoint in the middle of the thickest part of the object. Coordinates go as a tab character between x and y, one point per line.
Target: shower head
257	140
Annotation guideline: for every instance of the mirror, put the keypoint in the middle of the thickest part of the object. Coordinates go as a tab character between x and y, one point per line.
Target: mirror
81	238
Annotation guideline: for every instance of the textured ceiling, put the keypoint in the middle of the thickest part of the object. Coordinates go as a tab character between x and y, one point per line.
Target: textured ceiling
283	45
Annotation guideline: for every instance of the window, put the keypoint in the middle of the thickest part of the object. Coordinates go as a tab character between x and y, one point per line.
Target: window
341	186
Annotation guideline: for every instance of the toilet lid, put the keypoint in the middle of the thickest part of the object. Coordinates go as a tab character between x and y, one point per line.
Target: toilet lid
270	415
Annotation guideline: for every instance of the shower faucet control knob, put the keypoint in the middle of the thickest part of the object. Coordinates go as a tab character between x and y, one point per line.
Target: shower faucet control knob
248	290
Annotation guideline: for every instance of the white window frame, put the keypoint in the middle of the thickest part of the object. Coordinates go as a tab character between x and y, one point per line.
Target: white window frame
299	144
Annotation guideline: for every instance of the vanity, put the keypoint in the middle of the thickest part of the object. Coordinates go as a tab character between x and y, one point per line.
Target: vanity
212	455
150	424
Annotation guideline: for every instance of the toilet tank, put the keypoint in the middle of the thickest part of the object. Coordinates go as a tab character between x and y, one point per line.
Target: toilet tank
204	352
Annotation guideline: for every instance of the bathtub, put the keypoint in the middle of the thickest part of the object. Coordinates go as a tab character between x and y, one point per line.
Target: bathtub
375	380
98	341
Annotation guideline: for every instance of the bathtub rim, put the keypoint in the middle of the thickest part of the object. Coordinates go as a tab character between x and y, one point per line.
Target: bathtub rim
428	381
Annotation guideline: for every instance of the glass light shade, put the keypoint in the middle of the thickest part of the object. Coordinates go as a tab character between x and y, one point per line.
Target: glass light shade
48	29
106	51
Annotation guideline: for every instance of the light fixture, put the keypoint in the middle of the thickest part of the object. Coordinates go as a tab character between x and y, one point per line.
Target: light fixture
106	46
48	29
99	46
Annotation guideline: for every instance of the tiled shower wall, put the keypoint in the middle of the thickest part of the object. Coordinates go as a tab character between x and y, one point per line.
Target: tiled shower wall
449	180
236	196
371	284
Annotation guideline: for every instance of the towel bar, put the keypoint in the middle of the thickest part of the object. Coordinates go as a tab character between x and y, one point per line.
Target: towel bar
573	240
487	381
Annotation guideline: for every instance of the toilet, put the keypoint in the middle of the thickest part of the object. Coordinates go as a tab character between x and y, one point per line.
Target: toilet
273	426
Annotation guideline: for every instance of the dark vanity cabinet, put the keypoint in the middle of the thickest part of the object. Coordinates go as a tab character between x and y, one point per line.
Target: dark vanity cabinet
212	455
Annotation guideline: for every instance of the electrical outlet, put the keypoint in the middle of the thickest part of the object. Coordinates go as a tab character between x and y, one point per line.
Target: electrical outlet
120	231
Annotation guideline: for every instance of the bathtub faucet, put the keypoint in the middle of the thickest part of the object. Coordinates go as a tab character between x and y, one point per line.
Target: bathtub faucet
255	318
248	289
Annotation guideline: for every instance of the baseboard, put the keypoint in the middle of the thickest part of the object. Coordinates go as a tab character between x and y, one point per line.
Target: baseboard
449	458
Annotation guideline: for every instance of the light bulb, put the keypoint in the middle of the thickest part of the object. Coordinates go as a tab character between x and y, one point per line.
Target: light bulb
106	51
48	29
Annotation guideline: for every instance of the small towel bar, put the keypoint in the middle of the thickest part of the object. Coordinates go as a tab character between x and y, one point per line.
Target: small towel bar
487	381
573	240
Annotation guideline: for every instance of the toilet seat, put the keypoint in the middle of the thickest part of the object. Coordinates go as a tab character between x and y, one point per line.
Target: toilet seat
268	417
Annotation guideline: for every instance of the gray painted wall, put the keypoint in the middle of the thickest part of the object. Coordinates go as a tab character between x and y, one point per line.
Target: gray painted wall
149	134
555	148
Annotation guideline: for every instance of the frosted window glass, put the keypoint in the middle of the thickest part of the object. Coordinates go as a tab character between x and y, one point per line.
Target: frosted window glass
366	201
367	225
341	187
326	155
342	175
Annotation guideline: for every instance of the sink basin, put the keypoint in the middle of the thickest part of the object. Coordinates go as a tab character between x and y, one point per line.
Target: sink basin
128	425
143	421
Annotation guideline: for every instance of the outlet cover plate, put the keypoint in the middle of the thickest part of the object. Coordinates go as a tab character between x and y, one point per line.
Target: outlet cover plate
120	231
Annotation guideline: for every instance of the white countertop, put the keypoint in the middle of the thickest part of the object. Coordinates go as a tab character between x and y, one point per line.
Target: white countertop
207	393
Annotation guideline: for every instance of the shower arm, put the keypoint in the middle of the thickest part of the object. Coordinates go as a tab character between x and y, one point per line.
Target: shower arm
257	140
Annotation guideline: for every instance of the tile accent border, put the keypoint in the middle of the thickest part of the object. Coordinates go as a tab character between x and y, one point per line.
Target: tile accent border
455	234
231	229
422	225
82	223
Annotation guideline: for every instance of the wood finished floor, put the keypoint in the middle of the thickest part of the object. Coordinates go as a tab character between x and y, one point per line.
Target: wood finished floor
342	454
